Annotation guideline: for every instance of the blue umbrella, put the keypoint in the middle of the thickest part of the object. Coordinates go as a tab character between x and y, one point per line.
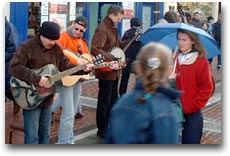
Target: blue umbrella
166	33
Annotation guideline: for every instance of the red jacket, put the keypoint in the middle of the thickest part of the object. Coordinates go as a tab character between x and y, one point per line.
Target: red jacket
195	81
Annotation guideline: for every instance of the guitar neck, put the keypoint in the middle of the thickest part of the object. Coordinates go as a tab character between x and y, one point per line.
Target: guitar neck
131	41
67	72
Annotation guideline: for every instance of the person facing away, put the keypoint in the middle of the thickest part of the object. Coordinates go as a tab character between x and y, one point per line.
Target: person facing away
194	79
104	39
216	30
148	114
36	53
69	97
130	53
170	17
11	41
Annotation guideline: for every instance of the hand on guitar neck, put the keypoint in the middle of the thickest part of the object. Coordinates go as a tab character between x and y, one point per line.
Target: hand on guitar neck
114	65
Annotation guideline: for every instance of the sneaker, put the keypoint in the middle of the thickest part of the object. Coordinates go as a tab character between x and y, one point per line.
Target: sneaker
219	66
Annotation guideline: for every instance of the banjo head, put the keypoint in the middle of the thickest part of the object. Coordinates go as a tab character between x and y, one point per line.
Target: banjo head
118	53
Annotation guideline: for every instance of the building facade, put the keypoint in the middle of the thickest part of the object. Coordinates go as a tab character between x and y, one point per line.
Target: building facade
32	14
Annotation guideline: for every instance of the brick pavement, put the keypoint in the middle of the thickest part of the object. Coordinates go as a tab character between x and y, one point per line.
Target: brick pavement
90	89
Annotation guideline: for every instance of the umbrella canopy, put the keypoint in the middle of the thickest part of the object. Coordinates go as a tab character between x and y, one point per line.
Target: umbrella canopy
166	33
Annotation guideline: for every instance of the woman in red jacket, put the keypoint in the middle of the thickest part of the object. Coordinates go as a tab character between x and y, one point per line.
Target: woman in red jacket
193	78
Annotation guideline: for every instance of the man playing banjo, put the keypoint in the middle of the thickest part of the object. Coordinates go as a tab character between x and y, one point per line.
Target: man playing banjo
104	40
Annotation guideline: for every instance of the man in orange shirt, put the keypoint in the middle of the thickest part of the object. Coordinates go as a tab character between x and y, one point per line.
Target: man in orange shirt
72	42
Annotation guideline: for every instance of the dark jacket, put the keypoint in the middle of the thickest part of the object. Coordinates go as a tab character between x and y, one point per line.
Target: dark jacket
216	30
154	122
31	54
133	49
196	23
105	38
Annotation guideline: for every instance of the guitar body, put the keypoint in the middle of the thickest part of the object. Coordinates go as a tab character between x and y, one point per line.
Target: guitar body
71	80
28	96
73	58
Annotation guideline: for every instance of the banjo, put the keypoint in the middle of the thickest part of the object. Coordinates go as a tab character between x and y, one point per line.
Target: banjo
119	53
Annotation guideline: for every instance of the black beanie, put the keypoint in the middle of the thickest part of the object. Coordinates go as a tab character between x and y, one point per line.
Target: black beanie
135	22
50	30
81	21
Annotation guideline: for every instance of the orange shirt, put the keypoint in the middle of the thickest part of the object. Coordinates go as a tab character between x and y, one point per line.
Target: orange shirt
74	45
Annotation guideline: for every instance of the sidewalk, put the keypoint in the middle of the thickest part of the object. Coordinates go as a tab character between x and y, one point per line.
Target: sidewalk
85	128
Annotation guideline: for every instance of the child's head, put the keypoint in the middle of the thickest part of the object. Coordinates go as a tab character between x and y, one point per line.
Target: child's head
152	62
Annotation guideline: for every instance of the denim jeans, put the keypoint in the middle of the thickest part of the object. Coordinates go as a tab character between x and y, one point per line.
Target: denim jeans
69	100
57	104
37	123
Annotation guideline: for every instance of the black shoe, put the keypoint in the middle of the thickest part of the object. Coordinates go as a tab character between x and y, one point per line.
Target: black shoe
79	115
16	108
52	118
219	66
100	134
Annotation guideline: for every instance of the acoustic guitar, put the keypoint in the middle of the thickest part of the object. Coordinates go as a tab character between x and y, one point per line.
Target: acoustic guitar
29	96
74	58
73	79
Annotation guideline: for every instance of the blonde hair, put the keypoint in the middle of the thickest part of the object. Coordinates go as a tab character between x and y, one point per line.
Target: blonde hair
154	60
59	23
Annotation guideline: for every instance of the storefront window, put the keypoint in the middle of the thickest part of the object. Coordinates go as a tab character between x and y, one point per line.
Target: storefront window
205	8
34	19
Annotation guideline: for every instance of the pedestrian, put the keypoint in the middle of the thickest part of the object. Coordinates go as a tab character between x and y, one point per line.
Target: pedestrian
11	41
193	78
104	39
130	53
32	54
69	97
148	114
210	22
170	17
216	29
205	27
196	20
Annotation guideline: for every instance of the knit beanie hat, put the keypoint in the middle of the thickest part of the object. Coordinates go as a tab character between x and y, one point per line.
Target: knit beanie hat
50	30
135	22
81	21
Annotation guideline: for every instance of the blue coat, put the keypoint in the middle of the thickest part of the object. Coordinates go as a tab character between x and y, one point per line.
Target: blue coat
156	121
11	38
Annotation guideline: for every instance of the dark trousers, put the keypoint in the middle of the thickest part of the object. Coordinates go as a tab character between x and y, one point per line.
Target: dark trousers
193	128
107	96
124	82
219	56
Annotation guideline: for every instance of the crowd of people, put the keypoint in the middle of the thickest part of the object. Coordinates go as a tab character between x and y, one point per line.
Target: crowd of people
164	107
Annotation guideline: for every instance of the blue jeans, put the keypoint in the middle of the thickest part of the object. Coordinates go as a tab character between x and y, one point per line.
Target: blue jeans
69	99
57	104
37	123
